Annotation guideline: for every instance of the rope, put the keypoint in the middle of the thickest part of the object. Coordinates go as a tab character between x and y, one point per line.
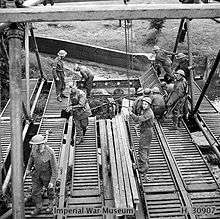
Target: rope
129	64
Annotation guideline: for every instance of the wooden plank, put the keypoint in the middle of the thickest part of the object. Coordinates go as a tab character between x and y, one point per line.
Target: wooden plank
129	163
108	193
113	165
87	12
127	187
119	165
64	159
84	200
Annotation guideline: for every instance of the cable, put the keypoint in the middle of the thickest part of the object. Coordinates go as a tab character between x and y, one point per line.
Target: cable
128	59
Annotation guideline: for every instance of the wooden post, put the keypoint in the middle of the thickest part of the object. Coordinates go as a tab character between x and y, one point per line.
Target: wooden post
14	36
191	80
27	67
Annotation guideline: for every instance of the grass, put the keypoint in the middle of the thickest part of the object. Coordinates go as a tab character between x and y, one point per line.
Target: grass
205	34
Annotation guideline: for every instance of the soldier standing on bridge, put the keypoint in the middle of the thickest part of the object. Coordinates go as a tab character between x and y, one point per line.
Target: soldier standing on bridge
158	103
86	77
177	98
58	74
183	63
81	112
43	168
145	119
137	105
164	62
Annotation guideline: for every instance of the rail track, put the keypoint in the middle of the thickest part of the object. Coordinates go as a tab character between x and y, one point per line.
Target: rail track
55	139
179	176
33	86
85	186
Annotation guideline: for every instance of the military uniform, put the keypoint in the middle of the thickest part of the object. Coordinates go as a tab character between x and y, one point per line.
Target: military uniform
184	64
177	99
58	72
137	105
145	119
44	170
164	62
87	77
158	105
81	112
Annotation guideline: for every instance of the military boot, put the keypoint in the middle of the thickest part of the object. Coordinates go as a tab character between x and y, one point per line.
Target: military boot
80	140
37	209
50	206
175	121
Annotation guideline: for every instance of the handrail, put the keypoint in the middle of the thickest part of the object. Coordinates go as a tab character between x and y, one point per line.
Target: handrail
8	176
64	159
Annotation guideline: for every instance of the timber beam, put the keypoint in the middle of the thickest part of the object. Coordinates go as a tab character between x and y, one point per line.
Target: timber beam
92	12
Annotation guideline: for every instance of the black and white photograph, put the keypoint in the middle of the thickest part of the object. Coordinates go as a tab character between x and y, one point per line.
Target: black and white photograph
110	109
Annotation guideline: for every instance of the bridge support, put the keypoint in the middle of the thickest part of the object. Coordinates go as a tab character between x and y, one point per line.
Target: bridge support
14	36
37	52
214	67
177	38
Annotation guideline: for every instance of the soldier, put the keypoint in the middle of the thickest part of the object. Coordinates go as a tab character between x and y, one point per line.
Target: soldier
145	120
177	98
167	88
164	62
81	112
183	63
43	168
158	103
58	74
86	77
137	105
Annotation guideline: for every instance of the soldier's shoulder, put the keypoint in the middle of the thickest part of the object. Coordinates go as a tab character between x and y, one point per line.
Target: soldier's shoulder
82	93
49	149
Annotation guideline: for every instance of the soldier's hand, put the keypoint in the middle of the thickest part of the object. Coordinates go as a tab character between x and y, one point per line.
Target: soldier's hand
28	172
68	108
50	185
48	131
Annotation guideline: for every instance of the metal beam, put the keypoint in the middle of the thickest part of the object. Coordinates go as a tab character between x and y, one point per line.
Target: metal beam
36	52
27	66
214	67
71	12
177	38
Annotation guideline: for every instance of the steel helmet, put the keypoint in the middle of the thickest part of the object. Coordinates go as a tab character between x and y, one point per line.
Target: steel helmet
37	139
181	72
163	84
76	67
156	48
62	53
180	56
156	90
147	99
73	91
147	91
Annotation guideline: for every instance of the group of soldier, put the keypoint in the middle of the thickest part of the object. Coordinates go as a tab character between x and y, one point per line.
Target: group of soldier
172	99
42	165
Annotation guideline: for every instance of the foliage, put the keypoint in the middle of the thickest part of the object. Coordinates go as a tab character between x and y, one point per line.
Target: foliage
157	23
